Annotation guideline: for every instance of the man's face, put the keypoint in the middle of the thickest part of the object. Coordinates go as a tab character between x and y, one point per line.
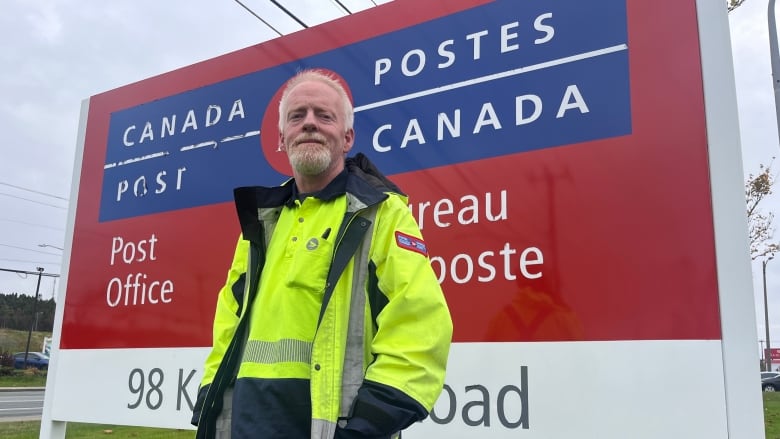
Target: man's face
314	133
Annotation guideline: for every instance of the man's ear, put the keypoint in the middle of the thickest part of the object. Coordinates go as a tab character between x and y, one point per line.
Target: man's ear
349	139
281	143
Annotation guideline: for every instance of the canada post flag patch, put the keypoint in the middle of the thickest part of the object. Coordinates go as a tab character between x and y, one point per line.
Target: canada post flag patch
411	243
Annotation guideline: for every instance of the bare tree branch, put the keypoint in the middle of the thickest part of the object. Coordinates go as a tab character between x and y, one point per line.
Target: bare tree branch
734	4
760	228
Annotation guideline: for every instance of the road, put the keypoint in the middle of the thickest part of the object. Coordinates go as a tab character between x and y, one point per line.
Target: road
21	404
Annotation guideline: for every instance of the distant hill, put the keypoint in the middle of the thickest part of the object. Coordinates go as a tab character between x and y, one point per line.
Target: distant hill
22	312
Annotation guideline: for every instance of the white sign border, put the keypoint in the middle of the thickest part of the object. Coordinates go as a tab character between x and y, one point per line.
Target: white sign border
51	429
744	405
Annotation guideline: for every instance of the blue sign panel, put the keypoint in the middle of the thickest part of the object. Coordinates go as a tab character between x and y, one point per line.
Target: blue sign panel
456	89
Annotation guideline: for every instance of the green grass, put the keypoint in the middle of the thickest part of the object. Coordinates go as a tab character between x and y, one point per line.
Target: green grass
16	341
772	415
74	430
24	378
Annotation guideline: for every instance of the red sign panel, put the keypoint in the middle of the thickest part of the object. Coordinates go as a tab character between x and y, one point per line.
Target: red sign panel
560	179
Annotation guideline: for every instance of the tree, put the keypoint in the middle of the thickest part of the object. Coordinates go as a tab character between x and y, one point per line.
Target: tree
761	231
733	4
16	312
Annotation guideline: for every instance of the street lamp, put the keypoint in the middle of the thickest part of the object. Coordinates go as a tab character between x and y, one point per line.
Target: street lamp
767	353
52	246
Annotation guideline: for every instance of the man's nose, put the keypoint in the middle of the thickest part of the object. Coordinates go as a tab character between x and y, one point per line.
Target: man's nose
309	121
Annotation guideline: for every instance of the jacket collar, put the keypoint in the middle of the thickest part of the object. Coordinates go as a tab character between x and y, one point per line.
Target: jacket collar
360	179
336	187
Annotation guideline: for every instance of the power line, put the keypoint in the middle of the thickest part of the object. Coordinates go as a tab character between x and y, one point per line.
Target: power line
30	250
258	17
24	261
32	201
32	224
42	273
289	14
32	190
343	7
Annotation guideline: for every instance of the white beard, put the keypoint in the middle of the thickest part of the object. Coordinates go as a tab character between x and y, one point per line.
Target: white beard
309	160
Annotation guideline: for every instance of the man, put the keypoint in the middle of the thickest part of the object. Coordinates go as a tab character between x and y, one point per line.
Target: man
332	322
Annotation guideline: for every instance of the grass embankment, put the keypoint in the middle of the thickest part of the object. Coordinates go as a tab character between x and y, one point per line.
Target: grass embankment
13	341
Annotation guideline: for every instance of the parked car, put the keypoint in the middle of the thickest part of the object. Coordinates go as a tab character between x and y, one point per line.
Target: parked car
765	375
34	359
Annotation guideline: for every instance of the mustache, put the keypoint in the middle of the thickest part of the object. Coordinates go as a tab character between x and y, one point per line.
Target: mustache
307	138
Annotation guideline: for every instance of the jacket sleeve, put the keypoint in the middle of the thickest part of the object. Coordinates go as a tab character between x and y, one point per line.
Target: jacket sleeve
226	316
378	411
413	330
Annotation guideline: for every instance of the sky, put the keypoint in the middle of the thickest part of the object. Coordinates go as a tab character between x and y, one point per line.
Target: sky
58	53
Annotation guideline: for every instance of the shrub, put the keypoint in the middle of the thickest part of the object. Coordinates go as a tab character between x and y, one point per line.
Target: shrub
32	371
6	359
6	363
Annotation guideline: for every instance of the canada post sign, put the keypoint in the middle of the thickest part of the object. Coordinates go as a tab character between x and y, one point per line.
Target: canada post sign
497	79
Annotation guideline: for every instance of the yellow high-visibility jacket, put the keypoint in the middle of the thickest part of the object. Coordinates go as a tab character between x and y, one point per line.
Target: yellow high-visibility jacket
332	322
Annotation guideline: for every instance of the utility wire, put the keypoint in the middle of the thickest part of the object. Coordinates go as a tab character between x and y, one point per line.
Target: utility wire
258	17
33	191
28	262
33	201
343	7
29	272
290	14
32	224
30	250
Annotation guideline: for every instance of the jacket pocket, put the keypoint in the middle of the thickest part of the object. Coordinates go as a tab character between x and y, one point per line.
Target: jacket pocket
309	267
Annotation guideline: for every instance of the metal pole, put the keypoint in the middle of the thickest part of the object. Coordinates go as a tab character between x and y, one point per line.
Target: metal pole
775	57
767	353
29	333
